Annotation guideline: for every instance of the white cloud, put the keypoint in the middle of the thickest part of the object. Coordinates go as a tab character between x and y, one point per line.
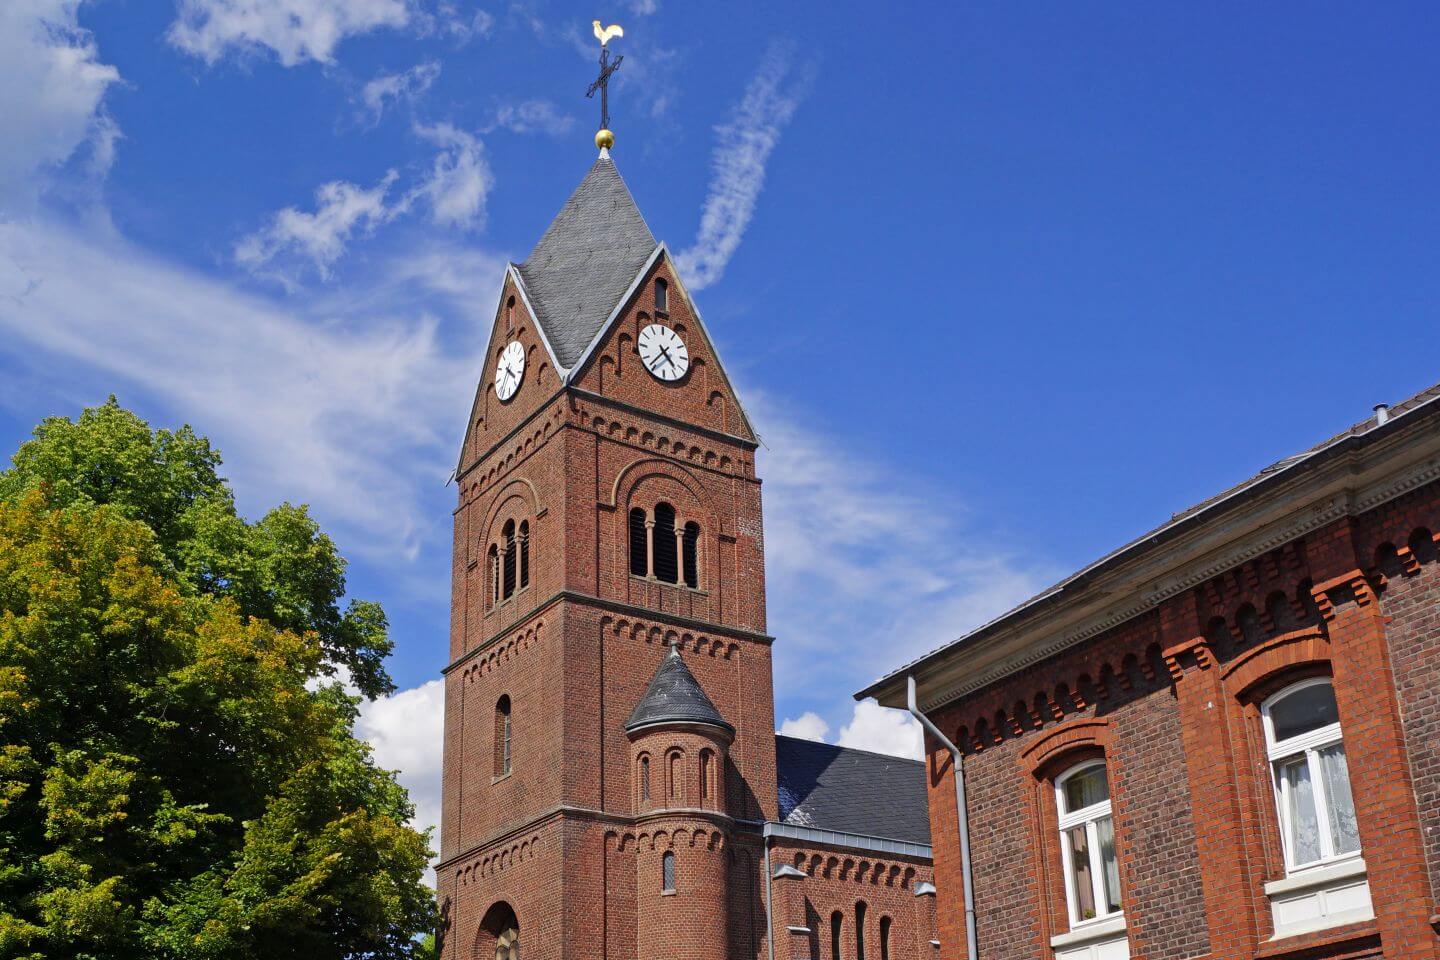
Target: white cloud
882	730
533	116
341	209
871	727
460	178
867	566
391	88
808	726
644	8
52	87
453	20
349	402
743	147
296	31
406	730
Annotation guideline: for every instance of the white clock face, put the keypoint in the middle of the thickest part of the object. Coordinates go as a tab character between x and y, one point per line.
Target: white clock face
509	370
663	352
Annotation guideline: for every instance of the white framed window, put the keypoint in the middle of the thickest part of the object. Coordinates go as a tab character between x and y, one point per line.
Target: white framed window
1309	774
1087	843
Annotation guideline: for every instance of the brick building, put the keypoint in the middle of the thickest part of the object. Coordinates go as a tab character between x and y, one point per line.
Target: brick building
613	783
1221	740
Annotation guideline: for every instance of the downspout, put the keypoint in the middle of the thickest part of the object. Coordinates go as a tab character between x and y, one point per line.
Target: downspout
962	814
769	913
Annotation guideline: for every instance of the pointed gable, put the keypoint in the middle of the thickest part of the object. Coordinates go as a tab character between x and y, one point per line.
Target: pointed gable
586	260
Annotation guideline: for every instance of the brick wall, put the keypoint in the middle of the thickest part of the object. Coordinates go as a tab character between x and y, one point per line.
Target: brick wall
1171	700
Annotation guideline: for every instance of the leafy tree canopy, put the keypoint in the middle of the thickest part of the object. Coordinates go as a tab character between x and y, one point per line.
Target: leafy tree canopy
175	782
281	569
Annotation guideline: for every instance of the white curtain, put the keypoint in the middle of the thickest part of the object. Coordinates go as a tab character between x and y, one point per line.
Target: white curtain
1299	795
1344	829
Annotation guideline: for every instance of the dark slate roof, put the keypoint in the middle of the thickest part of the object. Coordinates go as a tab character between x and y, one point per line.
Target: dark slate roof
586	260
1357	432
825	787
674	696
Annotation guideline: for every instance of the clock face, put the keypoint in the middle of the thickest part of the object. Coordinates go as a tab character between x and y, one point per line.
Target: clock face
663	352
509	370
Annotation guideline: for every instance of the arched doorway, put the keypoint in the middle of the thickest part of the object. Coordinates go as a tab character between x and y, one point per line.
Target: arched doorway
499	936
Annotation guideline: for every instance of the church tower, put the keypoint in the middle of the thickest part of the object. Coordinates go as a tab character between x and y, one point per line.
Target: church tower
609	716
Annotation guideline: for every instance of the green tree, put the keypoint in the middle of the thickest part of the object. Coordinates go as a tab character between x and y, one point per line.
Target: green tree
281	569
178	779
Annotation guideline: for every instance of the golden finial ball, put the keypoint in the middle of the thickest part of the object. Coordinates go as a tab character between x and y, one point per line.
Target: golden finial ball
604	139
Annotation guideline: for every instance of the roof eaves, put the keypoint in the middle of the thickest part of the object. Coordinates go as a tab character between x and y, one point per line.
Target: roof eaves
1150	539
513	270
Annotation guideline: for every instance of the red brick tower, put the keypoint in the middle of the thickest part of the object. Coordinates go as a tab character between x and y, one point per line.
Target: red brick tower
608	519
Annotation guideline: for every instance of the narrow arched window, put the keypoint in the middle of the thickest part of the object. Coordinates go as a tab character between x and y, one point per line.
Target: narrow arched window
836	922
1087	842
524	554
662	296
707	776
667	562
667	872
645	778
690	550
508	533
502	737
860	931
884	938
1310	777
674	778
492	568
509	314
639	544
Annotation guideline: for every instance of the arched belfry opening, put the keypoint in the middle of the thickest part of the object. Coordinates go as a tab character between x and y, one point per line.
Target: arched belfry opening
499	936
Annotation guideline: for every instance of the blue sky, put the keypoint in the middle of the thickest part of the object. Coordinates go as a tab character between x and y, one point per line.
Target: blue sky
1003	285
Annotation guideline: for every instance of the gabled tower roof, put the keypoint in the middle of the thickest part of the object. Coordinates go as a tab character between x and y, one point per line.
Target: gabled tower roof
586	260
674	696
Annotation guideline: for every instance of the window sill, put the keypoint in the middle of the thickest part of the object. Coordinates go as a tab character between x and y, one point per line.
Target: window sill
503	776
1319	899
667	893
1090	931
666	583
1312	877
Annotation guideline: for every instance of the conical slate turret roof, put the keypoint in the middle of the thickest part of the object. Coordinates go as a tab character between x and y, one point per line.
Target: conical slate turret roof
586	260
674	696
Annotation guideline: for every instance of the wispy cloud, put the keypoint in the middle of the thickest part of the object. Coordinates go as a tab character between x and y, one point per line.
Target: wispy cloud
742	150
644	8
356	416
341	210
293	241
295	31
460	178
392	88
52	88
533	116
462	22
866	567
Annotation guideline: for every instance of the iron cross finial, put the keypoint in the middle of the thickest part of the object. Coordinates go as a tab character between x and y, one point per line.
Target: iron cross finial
602	83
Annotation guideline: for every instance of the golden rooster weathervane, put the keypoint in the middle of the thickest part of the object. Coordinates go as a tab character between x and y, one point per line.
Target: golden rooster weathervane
604	139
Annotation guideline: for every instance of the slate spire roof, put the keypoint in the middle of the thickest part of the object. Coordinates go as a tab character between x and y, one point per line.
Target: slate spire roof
674	696
586	260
